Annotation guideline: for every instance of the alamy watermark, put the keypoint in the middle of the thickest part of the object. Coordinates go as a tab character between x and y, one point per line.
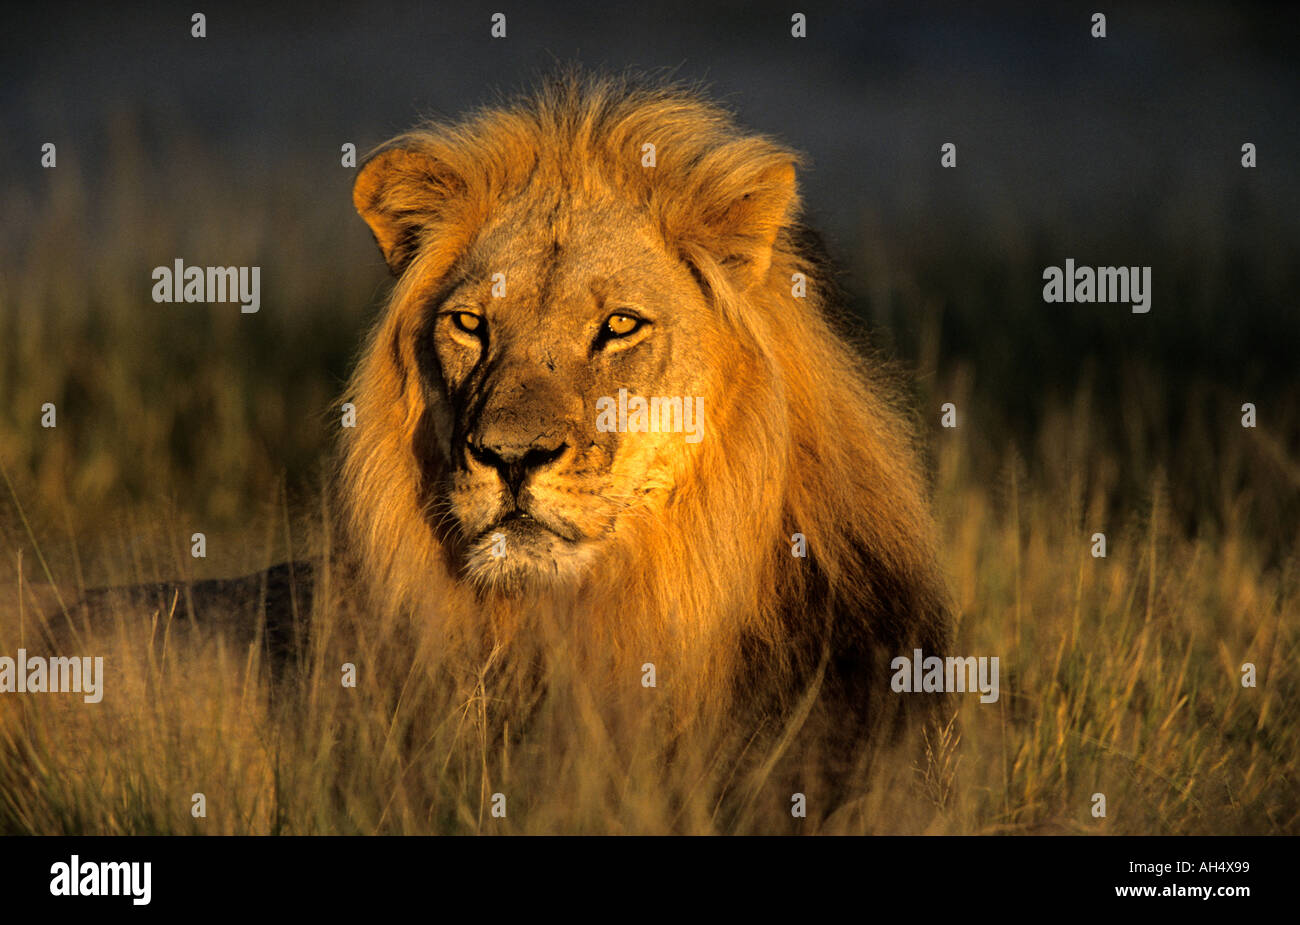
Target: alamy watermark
934	675
637	414
76	877
37	674
1100	284
179	283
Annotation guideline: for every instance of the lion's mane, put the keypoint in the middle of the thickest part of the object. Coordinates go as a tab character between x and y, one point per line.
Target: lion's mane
814	445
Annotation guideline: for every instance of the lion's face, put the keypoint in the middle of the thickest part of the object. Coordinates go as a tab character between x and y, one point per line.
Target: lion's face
561	315
557	356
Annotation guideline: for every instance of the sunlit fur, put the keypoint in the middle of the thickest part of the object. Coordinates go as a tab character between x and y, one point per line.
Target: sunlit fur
803	434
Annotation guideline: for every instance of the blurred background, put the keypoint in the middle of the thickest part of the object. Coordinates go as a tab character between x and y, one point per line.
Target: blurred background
226	151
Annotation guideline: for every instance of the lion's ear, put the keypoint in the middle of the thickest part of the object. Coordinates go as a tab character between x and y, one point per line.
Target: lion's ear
399	192
739	204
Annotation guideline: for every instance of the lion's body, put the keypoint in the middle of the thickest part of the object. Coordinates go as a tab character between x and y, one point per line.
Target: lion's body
662	552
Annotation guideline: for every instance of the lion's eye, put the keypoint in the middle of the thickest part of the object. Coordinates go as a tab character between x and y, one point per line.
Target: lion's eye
622	325
467	321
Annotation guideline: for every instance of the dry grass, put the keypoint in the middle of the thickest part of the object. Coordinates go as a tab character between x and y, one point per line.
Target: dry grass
1118	676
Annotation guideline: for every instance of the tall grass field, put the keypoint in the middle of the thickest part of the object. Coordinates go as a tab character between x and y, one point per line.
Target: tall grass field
1121	676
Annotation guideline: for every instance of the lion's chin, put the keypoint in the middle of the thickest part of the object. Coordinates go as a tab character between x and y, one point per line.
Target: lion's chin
519	555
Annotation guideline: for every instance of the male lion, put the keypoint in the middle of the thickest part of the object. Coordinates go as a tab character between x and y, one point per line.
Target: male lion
753	543
596	242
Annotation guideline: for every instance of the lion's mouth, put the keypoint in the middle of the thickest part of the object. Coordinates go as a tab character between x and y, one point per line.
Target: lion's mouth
527	525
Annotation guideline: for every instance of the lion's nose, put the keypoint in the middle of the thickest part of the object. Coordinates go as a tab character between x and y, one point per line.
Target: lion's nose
515	460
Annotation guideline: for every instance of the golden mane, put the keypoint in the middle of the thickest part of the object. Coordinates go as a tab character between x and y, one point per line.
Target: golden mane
810	442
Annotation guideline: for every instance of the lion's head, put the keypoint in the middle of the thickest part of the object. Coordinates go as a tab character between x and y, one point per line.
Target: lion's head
606	381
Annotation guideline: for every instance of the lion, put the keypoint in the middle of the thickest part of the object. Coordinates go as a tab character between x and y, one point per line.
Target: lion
570	265
613	449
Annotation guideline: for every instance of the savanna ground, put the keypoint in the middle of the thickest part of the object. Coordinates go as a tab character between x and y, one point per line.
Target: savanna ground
1119	676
